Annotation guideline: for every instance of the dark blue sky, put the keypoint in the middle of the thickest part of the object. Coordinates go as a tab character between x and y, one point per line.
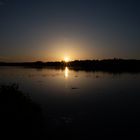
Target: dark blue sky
79	29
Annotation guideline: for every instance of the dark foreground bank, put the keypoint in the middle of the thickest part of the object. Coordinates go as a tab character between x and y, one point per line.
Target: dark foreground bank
22	118
19	117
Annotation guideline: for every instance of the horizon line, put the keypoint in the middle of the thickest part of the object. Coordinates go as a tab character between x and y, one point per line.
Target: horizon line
68	61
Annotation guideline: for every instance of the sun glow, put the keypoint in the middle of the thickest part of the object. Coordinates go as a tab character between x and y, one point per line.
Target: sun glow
66	59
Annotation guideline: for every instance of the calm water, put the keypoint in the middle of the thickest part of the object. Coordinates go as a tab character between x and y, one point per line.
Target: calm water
83	101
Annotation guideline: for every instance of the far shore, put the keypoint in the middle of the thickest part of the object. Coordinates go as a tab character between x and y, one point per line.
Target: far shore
109	65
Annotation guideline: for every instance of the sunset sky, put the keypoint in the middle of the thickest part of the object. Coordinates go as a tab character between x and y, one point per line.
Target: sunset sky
50	30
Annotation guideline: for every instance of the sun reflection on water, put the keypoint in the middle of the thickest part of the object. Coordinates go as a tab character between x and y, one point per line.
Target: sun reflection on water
66	72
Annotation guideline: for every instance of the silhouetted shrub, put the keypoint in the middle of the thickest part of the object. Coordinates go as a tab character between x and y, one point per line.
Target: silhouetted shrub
20	117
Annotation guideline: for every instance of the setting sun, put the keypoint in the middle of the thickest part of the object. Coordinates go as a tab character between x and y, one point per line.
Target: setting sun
66	59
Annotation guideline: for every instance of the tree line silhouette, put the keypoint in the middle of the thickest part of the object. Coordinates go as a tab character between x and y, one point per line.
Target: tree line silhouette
110	65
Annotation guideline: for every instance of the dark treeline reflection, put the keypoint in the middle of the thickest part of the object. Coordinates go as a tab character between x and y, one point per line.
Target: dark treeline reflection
20	117
109	65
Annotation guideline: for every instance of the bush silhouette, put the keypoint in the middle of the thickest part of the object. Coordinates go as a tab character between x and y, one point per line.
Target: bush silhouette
20	117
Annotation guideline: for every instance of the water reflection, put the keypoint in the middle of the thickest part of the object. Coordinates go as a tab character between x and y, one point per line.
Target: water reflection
66	72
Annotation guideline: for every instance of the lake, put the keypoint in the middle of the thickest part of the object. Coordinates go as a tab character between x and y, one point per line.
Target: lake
81	103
